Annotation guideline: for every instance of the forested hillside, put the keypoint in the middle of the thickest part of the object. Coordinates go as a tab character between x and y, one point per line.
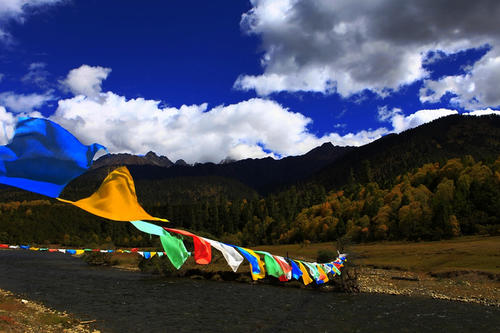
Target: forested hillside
459	197
435	181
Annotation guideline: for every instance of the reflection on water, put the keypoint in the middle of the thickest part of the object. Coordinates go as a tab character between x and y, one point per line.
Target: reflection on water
133	302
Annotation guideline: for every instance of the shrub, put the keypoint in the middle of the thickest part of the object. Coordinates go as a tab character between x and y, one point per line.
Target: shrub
326	256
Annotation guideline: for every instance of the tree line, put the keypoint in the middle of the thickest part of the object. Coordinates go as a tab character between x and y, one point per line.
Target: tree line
459	196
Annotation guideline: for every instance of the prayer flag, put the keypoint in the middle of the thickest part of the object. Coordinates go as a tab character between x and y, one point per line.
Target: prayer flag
285	266
322	275
175	249
314	271
305	276
43	157
335	270
233	258
173	246
115	199
256	265
296	272
272	266
202	248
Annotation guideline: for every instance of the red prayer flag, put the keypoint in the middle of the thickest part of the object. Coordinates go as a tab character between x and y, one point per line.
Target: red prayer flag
285	267
202	248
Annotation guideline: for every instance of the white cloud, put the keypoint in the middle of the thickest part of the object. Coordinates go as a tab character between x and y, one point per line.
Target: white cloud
37	75
384	113
482	112
253	128
8	122
24	103
16	10
477	88
86	80
347	46
401	122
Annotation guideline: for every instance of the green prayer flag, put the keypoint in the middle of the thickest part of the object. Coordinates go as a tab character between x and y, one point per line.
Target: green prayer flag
272	266
175	249
173	246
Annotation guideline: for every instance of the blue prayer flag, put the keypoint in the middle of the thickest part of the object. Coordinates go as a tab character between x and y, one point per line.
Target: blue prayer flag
251	259
296	272
43	157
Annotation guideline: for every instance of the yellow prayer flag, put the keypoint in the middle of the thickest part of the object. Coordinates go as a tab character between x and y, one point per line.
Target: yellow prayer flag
305	276
115	199
78	252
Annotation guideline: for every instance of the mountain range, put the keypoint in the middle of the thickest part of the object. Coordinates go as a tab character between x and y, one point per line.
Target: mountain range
334	166
257	201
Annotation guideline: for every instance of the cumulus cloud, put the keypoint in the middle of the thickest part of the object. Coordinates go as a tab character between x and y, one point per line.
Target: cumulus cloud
347	46
253	128
250	129
24	102
475	89
17	10
86	80
401	122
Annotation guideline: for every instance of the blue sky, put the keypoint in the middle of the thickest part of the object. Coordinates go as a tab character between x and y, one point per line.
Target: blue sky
204	81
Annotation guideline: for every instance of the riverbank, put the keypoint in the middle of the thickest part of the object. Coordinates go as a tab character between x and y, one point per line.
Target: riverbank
19	315
465	269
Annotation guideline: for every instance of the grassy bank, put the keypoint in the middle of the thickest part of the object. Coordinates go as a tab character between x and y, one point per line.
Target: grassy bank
475	253
464	269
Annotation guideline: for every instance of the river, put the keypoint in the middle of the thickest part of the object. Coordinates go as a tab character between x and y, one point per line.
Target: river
122	301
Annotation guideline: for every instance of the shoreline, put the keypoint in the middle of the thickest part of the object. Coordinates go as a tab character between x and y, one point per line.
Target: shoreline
20	315
470	287
458	286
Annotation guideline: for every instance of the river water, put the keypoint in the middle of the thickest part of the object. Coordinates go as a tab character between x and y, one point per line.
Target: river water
123	301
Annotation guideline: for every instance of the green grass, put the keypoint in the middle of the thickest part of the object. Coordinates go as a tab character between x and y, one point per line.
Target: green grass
474	253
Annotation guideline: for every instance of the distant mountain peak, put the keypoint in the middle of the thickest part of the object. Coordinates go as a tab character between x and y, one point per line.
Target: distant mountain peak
227	160
128	159
181	162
